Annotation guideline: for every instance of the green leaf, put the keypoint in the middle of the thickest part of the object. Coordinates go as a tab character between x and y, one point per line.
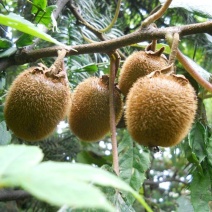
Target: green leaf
88	158
21	24
5	137
91	68
200	7
5	44
45	17
24	40
184	204
18	158
86	173
209	150
197	141
201	191
38	5
58	189
133	163
8	52
56	182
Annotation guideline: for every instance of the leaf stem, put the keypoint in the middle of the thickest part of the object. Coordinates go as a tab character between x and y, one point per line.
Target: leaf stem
113	68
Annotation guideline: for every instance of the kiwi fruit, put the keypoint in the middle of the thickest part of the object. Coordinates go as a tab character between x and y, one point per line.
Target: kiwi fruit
138	65
89	115
36	102
160	109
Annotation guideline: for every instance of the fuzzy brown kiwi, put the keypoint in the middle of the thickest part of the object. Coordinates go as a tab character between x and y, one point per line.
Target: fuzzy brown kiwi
160	110
89	114
36	102
140	64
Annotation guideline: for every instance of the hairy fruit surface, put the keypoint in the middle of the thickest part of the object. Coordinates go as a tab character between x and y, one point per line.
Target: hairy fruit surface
89	115
36	103
139	64
160	110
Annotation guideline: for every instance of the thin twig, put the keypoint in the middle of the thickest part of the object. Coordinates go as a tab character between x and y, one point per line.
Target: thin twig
85	23
114	18
152	18
95	31
113	67
205	84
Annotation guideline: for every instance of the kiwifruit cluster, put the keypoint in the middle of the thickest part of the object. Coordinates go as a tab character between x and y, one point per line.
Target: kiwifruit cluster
138	65
89	114
36	102
160	106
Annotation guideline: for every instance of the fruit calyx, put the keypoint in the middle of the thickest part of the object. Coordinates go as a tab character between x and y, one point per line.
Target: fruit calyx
56	72
158	53
168	71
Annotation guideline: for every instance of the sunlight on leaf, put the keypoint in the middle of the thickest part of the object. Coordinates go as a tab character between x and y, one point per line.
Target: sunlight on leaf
62	189
18	158
58	183
21	24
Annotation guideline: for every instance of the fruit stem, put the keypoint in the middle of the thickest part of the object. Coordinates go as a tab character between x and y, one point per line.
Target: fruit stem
57	66
113	69
173	42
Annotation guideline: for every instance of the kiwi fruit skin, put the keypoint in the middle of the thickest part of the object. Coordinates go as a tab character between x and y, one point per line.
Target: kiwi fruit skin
35	104
89	115
139	64
160	110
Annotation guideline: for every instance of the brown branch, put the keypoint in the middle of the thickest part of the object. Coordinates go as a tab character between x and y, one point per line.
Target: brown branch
155	16
205	84
9	195
147	34
84	22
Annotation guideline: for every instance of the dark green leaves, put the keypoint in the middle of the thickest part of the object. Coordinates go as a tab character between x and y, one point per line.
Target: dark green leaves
5	44
91	68
39	5
201	192
134	162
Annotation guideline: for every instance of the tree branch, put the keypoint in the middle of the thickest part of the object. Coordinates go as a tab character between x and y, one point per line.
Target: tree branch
9	195
155	16
147	34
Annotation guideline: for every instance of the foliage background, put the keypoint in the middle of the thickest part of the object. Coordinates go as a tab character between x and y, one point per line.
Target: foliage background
174	179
